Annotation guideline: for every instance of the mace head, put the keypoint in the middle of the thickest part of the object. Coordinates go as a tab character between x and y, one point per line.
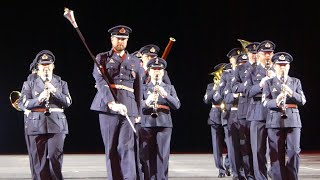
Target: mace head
70	16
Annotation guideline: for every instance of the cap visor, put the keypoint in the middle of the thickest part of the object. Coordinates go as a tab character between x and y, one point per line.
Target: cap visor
267	50
282	62
156	67
121	36
46	62
151	54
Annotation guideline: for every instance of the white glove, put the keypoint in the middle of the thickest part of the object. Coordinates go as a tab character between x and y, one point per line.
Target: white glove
27	112
215	86
44	95
287	89
271	74
279	99
150	99
137	119
162	92
263	80
117	107
50	87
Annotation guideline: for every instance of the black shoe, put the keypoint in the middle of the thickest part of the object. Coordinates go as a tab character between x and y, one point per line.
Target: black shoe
238	178
221	175
228	173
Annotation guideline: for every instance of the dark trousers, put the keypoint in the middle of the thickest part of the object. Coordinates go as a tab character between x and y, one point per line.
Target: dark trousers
245	148
118	139
33	175
138	153
258	136
227	163
284	142
46	153
234	141
156	151
218	143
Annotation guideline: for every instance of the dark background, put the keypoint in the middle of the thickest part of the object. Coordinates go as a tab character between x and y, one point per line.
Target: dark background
204	31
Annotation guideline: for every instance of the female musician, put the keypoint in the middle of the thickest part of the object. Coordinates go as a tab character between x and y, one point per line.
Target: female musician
43	98
156	122
283	133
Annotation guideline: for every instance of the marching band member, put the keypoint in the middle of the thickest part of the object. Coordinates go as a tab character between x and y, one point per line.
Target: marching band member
159	99
282	95
43	98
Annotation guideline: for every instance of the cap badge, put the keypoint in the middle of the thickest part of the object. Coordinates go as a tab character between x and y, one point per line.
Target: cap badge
44	56
282	57
254	47
152	50
268	45
244	56
122	30
238	51
157	61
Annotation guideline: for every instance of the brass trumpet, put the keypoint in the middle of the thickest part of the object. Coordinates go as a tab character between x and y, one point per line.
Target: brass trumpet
14	97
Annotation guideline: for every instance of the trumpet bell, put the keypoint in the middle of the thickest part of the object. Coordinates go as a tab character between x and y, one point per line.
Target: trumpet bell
14	97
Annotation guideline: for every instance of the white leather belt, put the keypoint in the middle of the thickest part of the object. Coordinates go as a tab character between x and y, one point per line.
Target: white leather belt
55	110
44	110
120	86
